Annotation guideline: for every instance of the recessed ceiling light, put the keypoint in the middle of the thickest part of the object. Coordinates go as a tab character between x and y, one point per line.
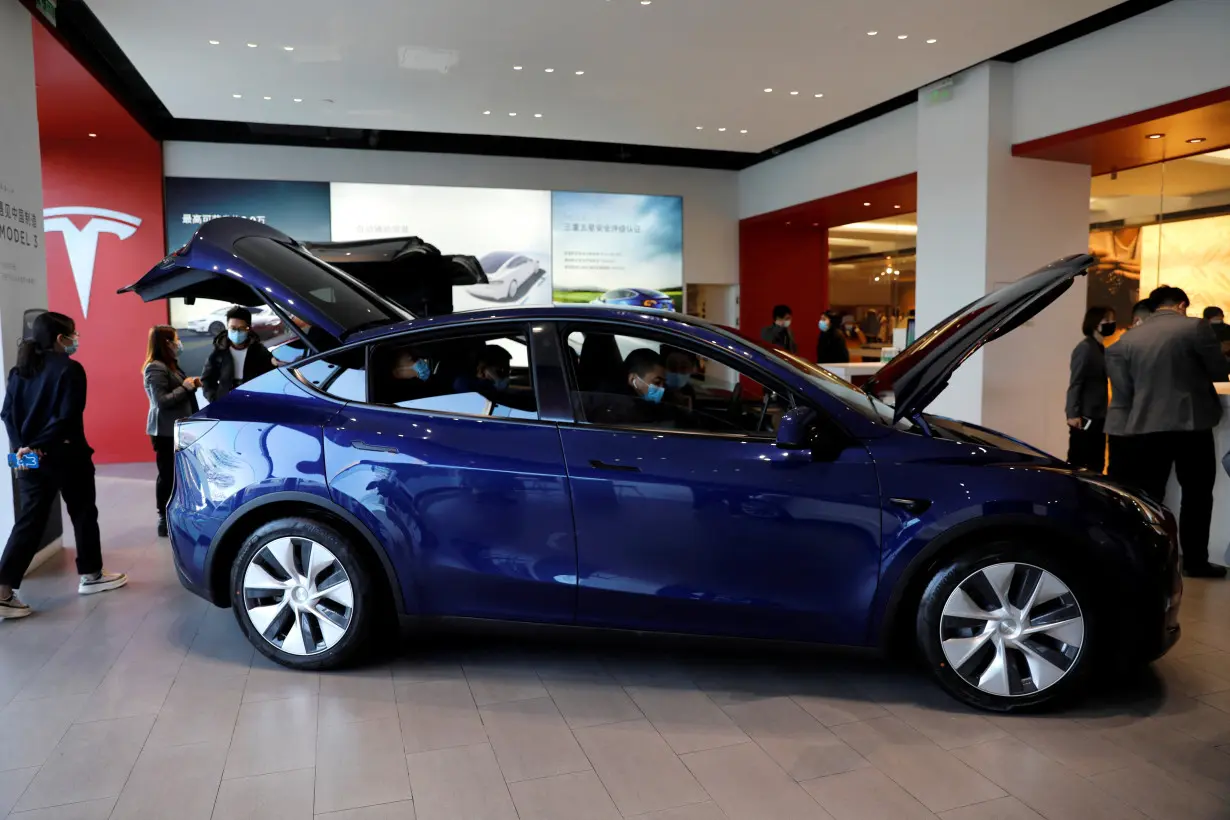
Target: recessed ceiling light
251	45
818	96
872	33
298	99
646	2
898	207
288	48
743	131
512	113
902	36
932	40
549	70
866	204
518	67
1195	141
768	91
789	223
93	135
486	113
269	98
815	224
538	116
213	42
794	93
237	96
579	73
1155	136
721	129
700	128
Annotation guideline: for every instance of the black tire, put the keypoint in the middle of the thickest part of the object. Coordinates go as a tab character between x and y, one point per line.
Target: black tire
353	646
955	572
216	328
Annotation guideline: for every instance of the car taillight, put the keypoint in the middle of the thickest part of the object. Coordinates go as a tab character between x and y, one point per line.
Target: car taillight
188	431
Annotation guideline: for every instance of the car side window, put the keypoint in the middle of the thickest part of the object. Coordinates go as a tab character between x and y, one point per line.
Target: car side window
341	375
474	374
628	381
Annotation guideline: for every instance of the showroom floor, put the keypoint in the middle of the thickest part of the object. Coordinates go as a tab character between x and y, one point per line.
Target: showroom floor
148	703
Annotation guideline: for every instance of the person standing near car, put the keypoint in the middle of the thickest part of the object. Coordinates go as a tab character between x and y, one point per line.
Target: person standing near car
1087	393
172	396
831	347
779	333
1164	402
238	356
44	413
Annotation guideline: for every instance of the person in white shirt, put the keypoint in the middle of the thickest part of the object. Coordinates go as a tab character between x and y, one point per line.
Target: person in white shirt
238	356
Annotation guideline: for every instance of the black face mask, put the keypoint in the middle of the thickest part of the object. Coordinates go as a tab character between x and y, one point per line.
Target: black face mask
1107	329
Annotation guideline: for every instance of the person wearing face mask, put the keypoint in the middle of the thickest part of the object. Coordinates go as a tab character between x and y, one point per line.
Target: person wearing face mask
238	356
1087	392
44	413
172	396
779	333
831	347
851	334
637	399
680	365
491	372
1216	320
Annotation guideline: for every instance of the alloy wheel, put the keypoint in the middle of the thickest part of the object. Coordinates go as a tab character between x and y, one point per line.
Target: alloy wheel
1012	629
298	596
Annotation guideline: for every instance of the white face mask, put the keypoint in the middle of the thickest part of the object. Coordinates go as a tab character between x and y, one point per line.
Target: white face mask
786	324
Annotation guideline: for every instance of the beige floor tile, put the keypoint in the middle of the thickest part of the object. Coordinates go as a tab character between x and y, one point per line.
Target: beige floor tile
199	711
269	681
463	781
280	796
578	796
1182	756
1151	790
366	766
354	696
1005	808
590	700
933	776
417	669
1042	784
697	811
531	740
839	704
686	718
1084	751
502	683
437	715
91	762
748	785
273	736
88	810
12	784
401	810
38	725
177	781
947	723
794	739
638	768
866	793
131	695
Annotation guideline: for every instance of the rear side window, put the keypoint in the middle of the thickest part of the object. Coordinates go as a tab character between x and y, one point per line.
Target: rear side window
342	376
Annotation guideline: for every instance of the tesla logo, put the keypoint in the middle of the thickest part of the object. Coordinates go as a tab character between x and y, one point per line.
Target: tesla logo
82	243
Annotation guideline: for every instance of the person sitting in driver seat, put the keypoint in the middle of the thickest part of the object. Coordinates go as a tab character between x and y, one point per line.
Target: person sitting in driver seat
491	372
636	400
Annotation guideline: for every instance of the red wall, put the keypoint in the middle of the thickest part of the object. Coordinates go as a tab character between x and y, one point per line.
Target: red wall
119	170
781	264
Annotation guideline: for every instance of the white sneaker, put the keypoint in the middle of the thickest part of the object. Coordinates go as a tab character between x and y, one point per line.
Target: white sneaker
102	582
13	608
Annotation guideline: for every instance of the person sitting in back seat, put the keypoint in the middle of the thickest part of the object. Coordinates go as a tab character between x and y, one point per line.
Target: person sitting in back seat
491	373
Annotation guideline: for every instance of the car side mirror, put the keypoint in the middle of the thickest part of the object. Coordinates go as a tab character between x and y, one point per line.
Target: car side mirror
794	431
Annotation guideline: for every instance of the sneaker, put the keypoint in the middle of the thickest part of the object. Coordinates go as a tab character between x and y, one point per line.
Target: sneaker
1205	571
13	608
101	582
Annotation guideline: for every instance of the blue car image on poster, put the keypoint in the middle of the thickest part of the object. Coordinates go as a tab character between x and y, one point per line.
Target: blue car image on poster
624	249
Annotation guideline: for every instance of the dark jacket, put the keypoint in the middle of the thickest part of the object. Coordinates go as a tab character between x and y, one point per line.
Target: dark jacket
169	400
1161	377
831	348
219	377
1087	397
775	334
46	412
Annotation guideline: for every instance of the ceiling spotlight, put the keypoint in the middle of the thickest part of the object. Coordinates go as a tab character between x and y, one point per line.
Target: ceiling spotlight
768	91
818	96
897	207
721	129
902	36
538	116
517	68
1195	141
269	98
298	99
932	40
92	135
866	204
794	93
213	42
789	223
486	113
1155	136
579	73
237	96
251	45
512	113
700	128
743	131
872	33
549	70
646	2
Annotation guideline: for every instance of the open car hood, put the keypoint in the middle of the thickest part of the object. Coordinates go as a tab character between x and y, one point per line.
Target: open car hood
249	263
921	372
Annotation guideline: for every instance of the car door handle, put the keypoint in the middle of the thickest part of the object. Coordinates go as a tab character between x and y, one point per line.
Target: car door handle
372	448
619	468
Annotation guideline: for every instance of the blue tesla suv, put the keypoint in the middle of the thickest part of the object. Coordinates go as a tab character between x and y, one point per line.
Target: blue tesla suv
611	467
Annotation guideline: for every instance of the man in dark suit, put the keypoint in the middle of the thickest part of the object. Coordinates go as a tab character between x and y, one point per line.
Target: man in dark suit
1164	402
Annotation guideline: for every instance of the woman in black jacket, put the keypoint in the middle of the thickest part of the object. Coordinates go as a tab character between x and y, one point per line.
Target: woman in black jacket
1089	393
831	348
172	396
44	413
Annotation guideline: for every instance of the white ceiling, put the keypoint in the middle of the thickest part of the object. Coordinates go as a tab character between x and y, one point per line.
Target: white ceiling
653	73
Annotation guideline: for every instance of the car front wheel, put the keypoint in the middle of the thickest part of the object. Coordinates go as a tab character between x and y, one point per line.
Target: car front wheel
302	595
1009	628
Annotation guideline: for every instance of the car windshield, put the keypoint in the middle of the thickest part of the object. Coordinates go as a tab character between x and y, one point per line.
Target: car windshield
492	262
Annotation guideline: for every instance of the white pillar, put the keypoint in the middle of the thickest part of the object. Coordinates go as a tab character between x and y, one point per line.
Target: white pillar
23	265
985	219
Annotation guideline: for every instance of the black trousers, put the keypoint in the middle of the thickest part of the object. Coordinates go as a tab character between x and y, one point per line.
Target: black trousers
1146	462
164	455
72	476
1087	448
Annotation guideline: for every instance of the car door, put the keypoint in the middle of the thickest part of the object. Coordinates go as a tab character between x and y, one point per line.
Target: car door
467	490
685	524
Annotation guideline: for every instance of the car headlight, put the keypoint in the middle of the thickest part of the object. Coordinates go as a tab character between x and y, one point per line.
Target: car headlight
1151	512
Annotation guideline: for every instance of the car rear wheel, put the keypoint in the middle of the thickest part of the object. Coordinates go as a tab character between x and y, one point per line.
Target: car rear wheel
302	595
1009	628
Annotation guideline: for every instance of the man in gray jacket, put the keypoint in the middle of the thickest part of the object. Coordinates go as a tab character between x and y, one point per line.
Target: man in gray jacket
1164	403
